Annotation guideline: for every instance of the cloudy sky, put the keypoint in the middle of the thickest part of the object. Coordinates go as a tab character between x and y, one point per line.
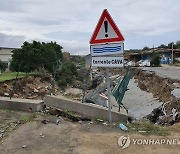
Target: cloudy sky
72	22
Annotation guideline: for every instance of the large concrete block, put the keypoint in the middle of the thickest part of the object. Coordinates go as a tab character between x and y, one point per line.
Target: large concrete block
21	104
89	110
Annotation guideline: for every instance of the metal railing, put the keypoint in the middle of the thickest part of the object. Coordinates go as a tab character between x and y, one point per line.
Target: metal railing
119	92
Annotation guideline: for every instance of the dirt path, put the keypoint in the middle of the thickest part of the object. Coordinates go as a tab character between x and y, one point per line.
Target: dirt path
68	137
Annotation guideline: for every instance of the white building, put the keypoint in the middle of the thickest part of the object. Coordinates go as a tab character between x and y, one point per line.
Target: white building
88	61
6	55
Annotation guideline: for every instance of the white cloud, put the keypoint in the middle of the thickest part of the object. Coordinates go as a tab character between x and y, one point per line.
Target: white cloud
15	41
40	19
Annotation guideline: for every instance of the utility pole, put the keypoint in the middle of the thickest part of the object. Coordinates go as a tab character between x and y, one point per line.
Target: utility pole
172	56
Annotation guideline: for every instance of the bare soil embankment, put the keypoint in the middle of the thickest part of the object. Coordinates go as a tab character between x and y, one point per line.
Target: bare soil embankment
30	87
161	88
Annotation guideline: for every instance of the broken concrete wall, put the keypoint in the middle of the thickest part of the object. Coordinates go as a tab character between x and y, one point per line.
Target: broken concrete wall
90	110
21	104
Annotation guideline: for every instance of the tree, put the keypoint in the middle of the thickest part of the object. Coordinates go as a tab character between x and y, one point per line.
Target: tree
146	48
155	60
68	73
36	55
162	46
170	45
178	44
3	66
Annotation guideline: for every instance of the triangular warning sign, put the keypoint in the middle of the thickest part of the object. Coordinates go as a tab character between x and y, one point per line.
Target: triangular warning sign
106	30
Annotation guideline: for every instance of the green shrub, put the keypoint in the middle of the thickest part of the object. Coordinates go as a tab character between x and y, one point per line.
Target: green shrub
68	74
155	60
62	82
3	66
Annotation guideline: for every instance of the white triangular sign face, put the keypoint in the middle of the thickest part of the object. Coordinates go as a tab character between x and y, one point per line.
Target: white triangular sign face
106	30
103	34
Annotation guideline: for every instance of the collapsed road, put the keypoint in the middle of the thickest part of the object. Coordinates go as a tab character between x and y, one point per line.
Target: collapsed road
148	95
165	89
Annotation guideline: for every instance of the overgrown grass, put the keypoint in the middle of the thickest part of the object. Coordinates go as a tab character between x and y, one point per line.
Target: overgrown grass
147	128
27	118
9	76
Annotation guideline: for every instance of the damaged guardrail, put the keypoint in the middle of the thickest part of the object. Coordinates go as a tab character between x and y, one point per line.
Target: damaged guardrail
121	87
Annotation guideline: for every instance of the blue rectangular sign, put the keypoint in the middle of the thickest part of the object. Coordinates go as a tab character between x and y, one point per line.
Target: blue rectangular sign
107	49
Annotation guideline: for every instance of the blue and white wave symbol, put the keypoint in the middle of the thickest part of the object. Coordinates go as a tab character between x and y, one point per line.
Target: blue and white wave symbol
107	49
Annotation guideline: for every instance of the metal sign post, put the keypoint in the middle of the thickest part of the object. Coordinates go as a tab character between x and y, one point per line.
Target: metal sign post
109	94
107	48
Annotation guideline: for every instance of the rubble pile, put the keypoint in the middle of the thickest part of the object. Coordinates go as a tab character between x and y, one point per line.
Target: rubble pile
161	88
30	87
74	93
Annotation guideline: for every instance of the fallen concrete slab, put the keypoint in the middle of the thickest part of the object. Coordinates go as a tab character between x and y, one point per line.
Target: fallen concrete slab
138	102
176	93
92	111
21	104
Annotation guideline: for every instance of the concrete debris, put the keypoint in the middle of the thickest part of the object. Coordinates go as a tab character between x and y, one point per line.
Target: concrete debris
142	131
174	114
80	122
114	124
74	91
6	94
105	123
176	85
155	114
45	121
99	94
58	120
2	131
24	146
77	97
99	120
16	95
95	97
176	93
36	91
41	135
165	116
52	119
